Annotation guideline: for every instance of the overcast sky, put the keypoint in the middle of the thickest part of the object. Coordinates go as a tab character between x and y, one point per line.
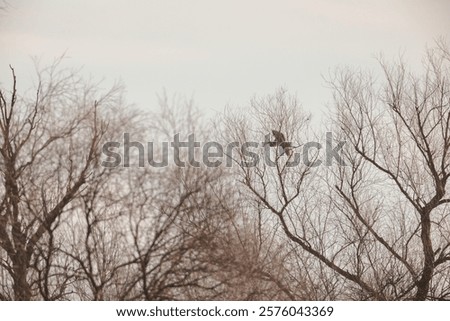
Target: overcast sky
222	52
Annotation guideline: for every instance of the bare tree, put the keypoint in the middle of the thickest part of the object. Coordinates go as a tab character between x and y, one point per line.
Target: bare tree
282	187
376	228
49	147
400	137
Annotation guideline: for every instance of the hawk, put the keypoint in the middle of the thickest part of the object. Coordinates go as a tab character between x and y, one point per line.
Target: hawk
280	141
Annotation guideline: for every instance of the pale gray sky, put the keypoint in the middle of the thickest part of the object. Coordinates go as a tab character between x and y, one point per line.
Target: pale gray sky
220	51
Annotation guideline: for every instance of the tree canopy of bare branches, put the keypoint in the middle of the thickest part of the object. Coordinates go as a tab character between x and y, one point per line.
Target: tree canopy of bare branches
293	225
376	227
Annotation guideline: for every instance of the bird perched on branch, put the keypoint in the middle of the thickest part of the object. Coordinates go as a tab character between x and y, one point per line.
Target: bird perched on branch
280	141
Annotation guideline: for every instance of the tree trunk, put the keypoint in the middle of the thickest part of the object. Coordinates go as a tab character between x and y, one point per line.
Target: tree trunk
21	287
423	285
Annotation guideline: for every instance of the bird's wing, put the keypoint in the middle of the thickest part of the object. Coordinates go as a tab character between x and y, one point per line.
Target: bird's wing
279	137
